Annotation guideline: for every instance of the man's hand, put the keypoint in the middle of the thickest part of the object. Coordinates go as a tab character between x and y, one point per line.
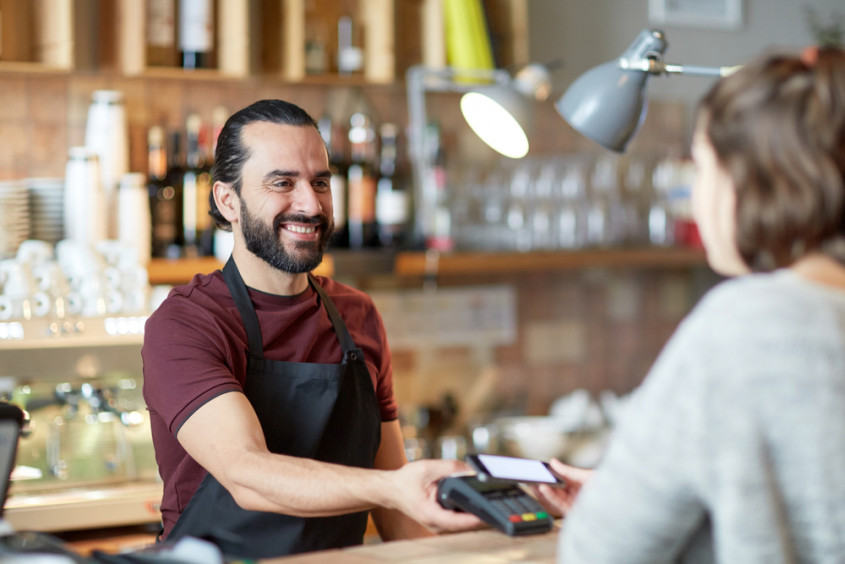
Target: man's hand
415	487
559	500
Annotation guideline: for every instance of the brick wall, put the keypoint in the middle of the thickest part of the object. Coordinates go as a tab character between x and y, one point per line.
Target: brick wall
597	329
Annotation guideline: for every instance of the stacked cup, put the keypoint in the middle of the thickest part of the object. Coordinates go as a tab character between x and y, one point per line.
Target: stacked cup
106	134
85	207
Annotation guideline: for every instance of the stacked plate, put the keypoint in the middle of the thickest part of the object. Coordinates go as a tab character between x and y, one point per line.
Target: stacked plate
46	208
14	216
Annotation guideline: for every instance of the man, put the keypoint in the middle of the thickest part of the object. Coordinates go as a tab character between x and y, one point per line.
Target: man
269	389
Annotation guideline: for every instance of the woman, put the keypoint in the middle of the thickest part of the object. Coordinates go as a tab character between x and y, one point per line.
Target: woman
733	449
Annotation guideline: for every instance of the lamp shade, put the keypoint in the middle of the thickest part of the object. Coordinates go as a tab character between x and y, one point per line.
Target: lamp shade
608	103
500	116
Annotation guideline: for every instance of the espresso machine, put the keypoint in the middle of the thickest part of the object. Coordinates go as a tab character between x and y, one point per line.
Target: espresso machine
85	458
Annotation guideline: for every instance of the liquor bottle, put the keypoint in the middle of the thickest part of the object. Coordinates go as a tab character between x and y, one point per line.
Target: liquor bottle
196	33
165	198
161	33
361	181
350	56
391	191
316	53
196	187
439	230
334	136
221	240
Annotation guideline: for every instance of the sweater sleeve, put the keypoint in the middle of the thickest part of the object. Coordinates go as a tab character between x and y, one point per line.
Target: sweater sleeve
643	503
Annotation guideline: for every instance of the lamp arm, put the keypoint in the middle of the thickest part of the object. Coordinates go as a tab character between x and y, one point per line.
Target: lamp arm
655	66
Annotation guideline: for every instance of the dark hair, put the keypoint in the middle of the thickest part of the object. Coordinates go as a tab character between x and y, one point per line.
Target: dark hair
777	127
231	153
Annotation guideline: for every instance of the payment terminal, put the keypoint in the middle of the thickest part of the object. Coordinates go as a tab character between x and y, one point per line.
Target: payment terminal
501	504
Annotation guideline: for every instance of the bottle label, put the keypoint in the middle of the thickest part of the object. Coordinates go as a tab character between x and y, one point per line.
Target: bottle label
339	200
195	26
189	207
391	206
161	28
362	197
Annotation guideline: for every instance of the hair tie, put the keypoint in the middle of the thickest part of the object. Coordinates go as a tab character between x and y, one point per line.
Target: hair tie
810	55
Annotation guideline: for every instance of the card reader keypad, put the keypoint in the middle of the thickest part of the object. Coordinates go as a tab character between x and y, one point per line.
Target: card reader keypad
516	505
501	504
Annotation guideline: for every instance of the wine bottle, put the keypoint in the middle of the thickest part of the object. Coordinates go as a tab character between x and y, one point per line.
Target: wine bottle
196	187
161	33
196	33
334	137
361	181
350	56
165	198
391	191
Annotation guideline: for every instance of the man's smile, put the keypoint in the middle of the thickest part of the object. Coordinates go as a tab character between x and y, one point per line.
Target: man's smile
305	229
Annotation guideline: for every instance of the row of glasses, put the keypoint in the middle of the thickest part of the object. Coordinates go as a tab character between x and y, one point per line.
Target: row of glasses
563	202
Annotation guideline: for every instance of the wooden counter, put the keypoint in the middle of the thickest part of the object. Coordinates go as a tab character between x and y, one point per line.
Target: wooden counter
478	546
486	545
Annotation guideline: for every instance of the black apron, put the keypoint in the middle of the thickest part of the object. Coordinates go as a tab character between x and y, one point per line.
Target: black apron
326	412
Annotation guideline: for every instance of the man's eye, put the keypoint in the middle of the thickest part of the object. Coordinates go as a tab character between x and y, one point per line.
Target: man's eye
282	184
322	185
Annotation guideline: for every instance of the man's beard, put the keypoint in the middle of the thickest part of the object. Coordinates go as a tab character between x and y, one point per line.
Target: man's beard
264	242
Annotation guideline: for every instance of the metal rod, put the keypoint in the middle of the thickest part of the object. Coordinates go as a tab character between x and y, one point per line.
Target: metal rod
420	80
655	66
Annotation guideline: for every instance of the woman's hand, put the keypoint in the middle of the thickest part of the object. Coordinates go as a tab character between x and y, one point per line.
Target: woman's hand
559	500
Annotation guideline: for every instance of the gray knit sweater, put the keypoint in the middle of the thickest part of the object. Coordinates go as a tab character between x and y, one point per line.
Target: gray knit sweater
733	448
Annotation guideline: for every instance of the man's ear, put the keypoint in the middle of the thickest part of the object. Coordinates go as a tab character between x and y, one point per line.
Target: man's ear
227	201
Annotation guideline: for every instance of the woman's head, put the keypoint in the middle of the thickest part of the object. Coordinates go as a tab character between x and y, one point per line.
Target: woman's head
776	133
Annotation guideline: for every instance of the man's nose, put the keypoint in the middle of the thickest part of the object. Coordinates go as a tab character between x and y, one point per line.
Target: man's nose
306	199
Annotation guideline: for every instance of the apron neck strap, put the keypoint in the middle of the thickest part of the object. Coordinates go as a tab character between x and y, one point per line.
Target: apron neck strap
346	342
237	288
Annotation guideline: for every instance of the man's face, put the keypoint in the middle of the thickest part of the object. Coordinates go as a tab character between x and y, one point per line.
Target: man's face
286	203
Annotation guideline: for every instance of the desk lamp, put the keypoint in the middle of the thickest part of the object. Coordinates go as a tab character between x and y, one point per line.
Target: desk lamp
497	106
608	103
501	114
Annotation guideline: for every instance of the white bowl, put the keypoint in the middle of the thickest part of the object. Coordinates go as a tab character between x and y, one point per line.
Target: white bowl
531	436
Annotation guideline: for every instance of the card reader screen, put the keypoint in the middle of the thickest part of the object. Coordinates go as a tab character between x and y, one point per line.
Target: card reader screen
518	469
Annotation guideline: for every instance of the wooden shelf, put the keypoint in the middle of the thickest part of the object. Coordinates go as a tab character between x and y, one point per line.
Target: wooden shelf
24	67
180	271
474	263
420	263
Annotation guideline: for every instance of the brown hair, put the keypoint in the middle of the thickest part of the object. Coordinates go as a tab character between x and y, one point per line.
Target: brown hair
778	128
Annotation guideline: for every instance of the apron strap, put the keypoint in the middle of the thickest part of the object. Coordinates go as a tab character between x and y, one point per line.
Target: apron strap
350	350
239	293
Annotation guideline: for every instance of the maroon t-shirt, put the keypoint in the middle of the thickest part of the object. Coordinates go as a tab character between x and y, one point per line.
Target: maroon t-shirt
195	349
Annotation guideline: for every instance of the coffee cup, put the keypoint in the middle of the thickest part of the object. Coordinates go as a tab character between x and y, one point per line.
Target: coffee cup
34	252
